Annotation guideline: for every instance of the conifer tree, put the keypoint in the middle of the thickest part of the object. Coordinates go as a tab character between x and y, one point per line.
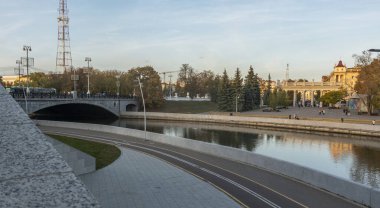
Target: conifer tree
267	92
256	92
251	91
236	91
224	101
248	90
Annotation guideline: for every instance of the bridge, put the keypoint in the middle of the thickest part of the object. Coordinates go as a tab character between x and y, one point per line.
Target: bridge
96	107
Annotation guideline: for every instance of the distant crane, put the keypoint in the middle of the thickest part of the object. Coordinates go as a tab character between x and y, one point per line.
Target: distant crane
170	76
167	72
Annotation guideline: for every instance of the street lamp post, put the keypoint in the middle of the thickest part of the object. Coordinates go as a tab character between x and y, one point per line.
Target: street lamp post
27	49
374	50
18	71
142	96
88	59
236	102
74	78
118	85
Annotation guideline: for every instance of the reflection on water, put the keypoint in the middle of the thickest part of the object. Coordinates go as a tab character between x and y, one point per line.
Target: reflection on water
349	157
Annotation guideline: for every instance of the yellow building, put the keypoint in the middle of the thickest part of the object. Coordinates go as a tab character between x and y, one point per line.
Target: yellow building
344	75
10	81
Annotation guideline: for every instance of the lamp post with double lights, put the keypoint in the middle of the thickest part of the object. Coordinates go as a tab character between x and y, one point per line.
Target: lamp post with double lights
88	60
18	71
27	49
374	50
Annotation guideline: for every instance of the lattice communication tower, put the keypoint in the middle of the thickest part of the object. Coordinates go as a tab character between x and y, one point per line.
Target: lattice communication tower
287	72
63	61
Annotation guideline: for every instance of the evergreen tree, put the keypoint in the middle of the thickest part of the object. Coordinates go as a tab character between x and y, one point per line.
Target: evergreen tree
267	91
236	91
251	91
214	89
256	92
224	101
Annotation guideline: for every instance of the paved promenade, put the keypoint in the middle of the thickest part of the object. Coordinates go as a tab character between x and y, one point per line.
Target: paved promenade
313	113
139	180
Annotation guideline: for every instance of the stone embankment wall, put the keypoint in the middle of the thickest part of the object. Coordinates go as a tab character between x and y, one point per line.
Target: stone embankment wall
349	189
32	173
320	126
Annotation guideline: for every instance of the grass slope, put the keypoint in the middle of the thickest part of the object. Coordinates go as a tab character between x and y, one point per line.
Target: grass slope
105	154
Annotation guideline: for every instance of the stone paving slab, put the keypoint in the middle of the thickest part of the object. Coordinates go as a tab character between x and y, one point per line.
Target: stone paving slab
139	180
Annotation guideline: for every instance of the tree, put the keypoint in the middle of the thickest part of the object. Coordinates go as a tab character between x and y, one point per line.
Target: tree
204	82
251	91
236	90
214	88
267	91
369	84
362	60
151	85
273	101
224	97
187	77
333	97
278	98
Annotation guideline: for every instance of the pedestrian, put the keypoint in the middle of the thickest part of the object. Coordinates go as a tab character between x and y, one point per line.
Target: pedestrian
341	119
373	122
290	116
323	112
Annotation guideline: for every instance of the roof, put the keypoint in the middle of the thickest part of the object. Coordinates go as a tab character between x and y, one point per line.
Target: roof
340	64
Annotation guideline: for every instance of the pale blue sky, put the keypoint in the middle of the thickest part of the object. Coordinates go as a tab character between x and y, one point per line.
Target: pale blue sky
310	35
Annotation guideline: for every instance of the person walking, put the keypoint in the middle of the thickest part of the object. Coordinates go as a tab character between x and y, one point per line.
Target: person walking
373	122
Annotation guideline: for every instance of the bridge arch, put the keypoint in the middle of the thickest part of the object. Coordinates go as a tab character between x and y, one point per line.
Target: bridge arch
131	107
73	109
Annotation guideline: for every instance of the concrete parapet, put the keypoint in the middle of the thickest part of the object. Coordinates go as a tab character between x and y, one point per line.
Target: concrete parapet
348	189
32	173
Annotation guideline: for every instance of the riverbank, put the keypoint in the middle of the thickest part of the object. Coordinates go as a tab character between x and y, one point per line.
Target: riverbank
277	123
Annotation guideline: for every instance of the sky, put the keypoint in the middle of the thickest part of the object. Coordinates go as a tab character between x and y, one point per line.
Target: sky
310	35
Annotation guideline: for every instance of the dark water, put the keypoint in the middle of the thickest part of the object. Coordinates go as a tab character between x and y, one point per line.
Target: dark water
353	158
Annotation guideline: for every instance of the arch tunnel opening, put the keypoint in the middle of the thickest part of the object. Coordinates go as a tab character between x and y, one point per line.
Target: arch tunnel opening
74	112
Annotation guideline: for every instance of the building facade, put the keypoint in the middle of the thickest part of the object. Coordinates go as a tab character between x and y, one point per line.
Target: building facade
341	78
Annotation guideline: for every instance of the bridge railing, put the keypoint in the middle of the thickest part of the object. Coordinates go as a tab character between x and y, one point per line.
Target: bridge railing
70	96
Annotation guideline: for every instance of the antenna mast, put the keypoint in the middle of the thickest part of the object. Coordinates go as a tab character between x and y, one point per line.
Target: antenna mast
63	61
287	72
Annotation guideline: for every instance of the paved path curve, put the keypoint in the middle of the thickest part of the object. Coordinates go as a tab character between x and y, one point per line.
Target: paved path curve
251	186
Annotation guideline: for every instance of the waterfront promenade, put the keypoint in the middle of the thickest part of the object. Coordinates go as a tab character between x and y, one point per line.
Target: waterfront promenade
139	180
312	113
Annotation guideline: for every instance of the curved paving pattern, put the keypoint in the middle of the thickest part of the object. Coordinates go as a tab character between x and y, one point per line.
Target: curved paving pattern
139	180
